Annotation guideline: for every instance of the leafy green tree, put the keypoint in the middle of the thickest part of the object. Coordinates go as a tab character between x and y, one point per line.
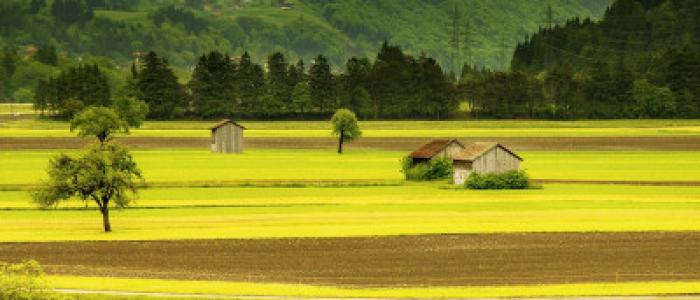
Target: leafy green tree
652	101
71	107
101	122
345	127
105	174
301	97
130	109
23	96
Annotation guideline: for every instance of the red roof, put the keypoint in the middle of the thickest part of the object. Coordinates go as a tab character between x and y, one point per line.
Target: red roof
476	150
224	122
431	149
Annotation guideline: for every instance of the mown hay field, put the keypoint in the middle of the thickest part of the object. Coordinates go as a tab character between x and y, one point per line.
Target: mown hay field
290	129
297	290
308	194
269	212
200	166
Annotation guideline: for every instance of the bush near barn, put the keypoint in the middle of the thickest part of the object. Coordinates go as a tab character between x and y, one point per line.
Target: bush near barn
511	180
434	169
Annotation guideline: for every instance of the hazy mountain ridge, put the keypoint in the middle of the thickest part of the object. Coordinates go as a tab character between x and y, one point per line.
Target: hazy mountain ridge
183	30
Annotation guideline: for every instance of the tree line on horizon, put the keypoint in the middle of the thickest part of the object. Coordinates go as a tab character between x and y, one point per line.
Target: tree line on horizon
395	85
581	70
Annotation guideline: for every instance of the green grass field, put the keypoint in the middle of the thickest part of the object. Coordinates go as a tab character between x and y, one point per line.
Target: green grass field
296	290
613	128
193	166
271	193
256	212
22	108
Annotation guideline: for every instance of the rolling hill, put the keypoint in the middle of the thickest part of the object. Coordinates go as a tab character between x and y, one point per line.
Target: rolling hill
183	30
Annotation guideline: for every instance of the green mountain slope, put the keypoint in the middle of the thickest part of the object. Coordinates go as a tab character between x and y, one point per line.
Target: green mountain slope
183	29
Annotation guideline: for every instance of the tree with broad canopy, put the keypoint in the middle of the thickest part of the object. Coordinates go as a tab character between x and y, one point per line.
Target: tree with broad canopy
105	174
345	127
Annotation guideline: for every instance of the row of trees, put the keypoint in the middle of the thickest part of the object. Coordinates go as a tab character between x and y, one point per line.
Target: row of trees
603	90
396	85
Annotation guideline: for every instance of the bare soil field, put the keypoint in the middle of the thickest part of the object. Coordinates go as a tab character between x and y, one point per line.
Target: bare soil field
439	260
388	143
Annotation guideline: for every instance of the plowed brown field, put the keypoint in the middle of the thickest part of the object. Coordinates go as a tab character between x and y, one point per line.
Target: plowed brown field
402	143
480	259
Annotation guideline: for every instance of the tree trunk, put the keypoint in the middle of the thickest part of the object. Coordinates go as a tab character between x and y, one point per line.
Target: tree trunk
105	219
340	142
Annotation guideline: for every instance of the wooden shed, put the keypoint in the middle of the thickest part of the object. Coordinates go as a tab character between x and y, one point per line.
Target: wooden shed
227	137
436	149
484	158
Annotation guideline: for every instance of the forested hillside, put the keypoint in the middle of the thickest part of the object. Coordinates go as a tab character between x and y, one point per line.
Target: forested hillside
184	29
642	60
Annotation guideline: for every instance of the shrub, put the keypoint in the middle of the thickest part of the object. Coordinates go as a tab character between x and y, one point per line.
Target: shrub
511	180
23	281
434	169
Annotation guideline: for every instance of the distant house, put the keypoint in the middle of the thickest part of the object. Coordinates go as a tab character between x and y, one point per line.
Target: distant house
484	158
436	149
227	137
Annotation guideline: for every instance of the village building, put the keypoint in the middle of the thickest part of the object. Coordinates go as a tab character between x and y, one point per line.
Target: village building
484	158
227	137
436	149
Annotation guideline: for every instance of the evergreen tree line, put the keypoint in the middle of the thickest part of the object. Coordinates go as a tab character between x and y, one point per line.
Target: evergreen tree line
604	69
395	85
73	90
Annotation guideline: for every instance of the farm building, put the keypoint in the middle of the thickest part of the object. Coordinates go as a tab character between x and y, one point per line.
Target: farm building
484	158
436	149
227	137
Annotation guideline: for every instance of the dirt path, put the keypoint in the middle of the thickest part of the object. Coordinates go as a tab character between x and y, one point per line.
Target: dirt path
402	144
476	259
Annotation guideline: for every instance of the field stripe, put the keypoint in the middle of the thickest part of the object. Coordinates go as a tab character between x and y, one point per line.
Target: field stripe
267	291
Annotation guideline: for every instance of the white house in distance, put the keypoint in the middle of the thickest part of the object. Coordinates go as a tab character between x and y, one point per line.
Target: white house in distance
227	137
484	158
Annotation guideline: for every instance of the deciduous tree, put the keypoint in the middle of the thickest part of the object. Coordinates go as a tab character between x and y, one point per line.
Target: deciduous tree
106	174
345	127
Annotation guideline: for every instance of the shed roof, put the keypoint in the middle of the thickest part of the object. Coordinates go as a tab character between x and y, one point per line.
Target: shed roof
224	122
476	150
431	149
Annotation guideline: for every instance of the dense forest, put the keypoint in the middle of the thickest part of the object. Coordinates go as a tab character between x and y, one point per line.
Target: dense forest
642	60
